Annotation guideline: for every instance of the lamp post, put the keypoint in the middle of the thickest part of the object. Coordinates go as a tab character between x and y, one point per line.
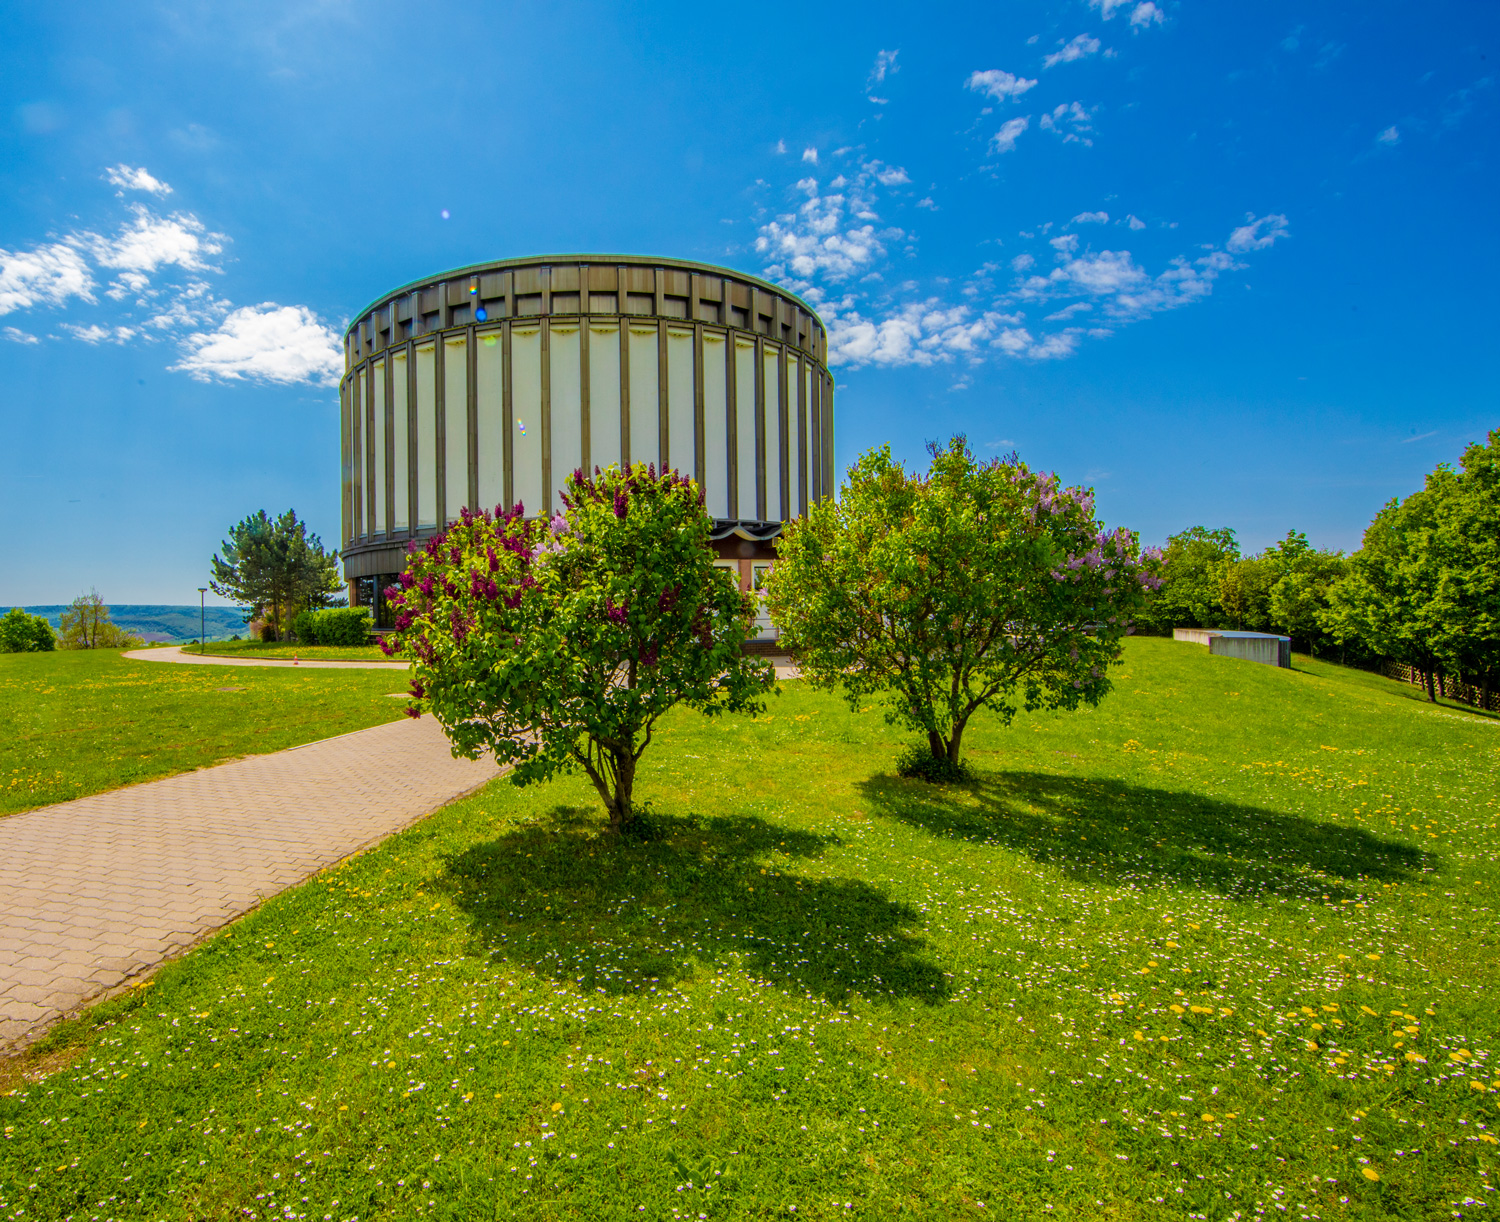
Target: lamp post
202	614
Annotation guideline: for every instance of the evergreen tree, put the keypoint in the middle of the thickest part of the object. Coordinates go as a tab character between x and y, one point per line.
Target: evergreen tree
275	567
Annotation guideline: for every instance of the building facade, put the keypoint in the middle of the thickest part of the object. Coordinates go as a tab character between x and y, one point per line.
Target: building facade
489	385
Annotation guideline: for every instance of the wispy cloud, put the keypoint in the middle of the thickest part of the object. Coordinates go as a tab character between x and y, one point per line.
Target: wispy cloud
810	155
1257	234
1080	48
1004	140
1143	13
885	65
1090	218
1070	120
1406	441
17	336
135	178
1389	136
998	84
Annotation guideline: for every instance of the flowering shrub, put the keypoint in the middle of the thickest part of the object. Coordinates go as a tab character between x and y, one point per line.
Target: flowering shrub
559	643
980	585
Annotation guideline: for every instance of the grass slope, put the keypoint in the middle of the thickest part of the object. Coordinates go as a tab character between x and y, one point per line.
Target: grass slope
82	721
1224	947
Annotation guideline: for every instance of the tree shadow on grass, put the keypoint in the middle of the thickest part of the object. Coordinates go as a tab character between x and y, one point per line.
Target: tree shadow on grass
617	916
1116	833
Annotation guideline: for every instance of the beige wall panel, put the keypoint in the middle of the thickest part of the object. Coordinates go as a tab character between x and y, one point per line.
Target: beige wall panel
682	405
795	466
645	400
526	418
810	481
358	525
604	397
771	387
425	459
401	450
381	465
567	409
456	424
715	426
489	387
744	399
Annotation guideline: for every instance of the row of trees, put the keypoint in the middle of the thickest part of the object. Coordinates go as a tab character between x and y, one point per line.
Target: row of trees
275	568
1423	590
1424	587
1207	583
559	643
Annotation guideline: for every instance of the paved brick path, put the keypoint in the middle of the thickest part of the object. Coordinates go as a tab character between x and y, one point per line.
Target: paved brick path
103	888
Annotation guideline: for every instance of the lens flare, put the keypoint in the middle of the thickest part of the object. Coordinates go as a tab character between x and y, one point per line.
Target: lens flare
481	313
444	214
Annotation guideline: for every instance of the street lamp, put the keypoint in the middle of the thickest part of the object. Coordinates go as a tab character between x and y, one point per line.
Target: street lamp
202	590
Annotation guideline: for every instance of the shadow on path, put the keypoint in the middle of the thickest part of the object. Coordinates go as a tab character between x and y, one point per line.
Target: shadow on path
621	917
1114	832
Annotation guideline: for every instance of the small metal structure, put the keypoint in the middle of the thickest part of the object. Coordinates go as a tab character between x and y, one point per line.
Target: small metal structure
489	384
1264	647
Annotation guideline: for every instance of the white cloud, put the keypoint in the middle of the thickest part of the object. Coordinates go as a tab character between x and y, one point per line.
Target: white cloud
1090	218
1107	7
887	175
1133	221
1257	234
885	65
1389	136
44	275
927	203
1070	120
96	334
1079	48
151	241
268	343
1145	15
810	155
1067	312
1023	263
1004	140
998	84
136	178
17	336
780	147
1066	244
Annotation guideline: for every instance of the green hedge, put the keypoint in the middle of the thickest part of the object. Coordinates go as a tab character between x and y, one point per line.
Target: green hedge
334	626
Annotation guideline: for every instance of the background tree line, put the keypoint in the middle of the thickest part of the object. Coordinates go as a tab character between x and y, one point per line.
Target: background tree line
1423	590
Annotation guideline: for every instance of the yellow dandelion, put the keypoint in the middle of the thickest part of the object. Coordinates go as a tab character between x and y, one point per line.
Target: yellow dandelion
557	1107
1208	1116
1369	1173
1367	1010
1176	1009
1202	1009
1415	1057
1478	1086
1312	1045
1139	1036
1372	955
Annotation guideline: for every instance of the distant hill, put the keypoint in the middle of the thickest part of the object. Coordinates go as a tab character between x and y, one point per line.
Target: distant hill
159	622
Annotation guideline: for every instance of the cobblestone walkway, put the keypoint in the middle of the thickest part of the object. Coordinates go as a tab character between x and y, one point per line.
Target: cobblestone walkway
95	891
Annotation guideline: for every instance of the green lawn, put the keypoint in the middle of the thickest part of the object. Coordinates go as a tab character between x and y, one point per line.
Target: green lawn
1223	948
78	722
261	649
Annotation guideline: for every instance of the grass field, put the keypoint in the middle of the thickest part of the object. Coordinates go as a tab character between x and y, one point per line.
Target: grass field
1223	948
325	653
82	721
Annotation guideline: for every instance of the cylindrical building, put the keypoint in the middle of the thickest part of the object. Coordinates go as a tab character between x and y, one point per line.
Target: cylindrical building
490	384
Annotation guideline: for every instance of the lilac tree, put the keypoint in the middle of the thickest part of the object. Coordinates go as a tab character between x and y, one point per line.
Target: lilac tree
978	585
560	643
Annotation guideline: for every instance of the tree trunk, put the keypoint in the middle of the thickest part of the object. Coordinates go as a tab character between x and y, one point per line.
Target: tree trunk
621	802
1431	694
936	746
955	740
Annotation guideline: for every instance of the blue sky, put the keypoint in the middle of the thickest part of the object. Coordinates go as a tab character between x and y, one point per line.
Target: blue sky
1232	265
